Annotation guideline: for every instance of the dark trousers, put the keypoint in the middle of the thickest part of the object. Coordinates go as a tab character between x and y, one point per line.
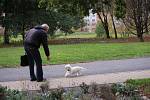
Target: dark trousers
34	56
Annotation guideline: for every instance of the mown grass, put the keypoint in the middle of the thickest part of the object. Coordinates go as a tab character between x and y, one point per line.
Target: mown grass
10	57
78	35
141	83
86	35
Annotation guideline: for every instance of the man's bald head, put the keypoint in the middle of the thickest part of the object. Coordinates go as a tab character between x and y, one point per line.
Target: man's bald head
45	27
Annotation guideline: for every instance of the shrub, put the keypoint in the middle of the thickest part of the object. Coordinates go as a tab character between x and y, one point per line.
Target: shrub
83	92
100	31
125	91
84	88
15	95
7	94
2	92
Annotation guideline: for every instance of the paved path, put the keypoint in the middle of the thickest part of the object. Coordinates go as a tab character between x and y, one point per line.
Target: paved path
93	68
76	81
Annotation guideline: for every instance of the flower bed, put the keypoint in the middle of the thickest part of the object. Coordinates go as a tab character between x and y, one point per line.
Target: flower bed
121	91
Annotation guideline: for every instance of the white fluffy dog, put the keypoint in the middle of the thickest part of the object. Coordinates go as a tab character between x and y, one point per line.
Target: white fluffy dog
73	70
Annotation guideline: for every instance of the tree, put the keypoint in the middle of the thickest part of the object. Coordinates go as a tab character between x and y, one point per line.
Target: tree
61	21
112	10
81	8
24	14
120	9
137	17
102	8
65	15
5	20
67	22
16	11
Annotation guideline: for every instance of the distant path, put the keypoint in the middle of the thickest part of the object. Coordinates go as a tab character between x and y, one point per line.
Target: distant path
97	67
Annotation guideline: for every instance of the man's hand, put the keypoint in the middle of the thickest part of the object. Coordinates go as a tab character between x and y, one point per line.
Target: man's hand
48	58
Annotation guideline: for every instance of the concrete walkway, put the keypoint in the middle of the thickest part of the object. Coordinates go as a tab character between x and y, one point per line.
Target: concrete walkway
76	81
93	68
99	71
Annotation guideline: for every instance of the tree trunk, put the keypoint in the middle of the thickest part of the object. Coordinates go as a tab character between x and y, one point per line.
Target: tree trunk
23	33
107	30
116	37
23	26
146	15
140	36
146	28
105	24
6	36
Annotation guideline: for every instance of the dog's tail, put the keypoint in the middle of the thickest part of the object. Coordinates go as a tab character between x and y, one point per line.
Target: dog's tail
83	68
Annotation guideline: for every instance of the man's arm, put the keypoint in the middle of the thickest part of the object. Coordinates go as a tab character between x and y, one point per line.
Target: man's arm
45	45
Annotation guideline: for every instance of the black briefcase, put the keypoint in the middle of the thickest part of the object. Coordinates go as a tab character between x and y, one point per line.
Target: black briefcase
24	60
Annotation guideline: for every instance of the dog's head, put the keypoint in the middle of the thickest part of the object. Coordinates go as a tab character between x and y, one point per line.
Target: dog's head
68	67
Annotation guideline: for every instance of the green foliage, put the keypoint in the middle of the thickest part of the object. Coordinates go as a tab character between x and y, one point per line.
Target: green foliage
126	91
84	88
68	95
15	95
18	14
61	21
24	14
3	92
71	7
62	15
8	94
57	94
94	91
81	8
100	31
3	89
66	22
120	9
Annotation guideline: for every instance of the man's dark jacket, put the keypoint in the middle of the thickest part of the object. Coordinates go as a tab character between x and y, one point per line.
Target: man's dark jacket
35	37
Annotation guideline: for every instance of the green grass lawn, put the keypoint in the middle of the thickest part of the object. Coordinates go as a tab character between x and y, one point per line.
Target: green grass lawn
79	35
9	57
85	35
139	82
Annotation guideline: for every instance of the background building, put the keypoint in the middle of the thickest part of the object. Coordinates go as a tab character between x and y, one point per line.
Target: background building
90	22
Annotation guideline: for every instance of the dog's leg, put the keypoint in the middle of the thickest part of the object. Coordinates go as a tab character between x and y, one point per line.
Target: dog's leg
67	74
78	73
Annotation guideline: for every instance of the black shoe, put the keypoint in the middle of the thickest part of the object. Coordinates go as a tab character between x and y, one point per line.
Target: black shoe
41	80
34	79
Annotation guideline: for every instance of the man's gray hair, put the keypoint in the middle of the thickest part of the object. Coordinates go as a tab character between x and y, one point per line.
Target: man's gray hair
45	26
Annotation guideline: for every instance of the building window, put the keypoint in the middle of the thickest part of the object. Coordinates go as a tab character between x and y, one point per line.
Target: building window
93	20
93	23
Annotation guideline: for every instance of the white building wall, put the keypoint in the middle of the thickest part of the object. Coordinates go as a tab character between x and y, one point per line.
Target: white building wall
91	22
